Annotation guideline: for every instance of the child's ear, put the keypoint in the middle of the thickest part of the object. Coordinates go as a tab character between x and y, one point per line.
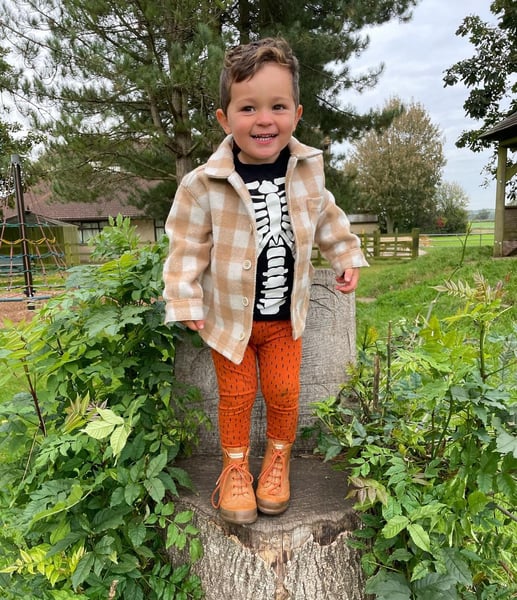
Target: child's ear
298	116
222	119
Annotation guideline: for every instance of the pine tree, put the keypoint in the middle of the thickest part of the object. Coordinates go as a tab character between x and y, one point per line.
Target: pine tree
126	90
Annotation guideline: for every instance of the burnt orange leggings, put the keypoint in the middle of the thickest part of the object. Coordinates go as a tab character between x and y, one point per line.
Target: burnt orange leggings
273	354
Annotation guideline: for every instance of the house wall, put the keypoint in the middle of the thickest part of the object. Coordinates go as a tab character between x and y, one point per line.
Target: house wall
360	228
145	229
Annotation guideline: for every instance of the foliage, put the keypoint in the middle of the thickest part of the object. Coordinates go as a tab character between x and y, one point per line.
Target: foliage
117	238
451	208
12	141
489	74
431	444
126	91
88	480
396	172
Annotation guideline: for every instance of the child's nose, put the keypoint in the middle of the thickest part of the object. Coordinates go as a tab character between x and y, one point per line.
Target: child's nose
264	117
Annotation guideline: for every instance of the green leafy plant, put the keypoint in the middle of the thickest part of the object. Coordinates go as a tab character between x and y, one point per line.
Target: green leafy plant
430	442
88	480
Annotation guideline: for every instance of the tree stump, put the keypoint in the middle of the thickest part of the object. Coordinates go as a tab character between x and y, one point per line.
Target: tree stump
302	554
299	555
328	347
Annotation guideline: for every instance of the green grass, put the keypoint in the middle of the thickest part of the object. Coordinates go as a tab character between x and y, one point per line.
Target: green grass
481	234
394	290
479	239
484	225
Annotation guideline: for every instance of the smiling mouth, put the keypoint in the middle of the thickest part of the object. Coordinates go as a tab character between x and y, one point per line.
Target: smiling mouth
267	136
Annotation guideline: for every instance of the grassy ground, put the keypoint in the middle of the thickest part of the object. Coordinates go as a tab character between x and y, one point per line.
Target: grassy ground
392	290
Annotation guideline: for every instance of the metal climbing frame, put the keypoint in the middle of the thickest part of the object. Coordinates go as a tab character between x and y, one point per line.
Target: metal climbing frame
21	263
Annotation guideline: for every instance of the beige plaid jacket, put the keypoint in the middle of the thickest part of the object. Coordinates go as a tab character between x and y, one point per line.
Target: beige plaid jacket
210	270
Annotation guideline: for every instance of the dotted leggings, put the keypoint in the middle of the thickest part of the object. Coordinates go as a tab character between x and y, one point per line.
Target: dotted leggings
278	357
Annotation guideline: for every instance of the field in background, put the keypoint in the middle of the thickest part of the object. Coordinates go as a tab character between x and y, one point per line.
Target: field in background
481	234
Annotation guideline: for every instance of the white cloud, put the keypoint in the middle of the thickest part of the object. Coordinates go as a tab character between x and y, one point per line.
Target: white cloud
416	55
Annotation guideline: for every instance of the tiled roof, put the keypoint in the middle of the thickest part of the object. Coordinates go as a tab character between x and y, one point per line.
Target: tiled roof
39	201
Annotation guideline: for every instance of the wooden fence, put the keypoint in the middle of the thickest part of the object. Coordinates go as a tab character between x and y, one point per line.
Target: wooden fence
379	246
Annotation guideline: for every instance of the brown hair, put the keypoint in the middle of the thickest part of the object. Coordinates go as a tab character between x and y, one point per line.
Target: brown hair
242	62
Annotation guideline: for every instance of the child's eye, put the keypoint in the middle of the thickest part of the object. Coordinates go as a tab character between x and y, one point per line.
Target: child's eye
279	107
247	109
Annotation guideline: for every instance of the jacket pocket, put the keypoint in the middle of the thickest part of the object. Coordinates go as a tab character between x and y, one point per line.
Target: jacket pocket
304	218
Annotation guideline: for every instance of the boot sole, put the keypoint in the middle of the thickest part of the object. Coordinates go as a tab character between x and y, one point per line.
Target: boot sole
273	509
241	517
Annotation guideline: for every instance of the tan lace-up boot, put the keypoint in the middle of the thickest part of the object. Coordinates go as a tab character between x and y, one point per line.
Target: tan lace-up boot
236	501
273	490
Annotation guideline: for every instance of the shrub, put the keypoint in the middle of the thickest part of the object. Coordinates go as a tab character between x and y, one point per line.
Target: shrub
431	448
88	481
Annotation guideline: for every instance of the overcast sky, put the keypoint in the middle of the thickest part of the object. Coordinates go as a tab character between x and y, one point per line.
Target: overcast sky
416	55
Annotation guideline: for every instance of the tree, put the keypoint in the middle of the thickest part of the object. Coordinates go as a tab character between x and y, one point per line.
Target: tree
451	208
489	74
126	90
12	142
485	214
396	173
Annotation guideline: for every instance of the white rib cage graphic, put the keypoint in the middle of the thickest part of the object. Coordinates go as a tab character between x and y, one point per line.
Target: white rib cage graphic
274	230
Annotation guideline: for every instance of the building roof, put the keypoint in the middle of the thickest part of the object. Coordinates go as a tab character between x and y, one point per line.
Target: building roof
505	130
39	201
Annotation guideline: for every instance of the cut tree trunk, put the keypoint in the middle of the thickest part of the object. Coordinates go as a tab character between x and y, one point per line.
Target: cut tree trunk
299	555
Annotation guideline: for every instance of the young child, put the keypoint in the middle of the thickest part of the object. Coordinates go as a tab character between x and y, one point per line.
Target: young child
241	230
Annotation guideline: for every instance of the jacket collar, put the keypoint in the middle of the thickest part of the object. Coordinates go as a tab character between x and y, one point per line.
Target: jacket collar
221	164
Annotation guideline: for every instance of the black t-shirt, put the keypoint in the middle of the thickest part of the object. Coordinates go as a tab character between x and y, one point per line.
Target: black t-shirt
275	265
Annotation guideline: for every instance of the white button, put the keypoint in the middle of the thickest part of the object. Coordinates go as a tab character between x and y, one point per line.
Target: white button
241	336
246	265
245	301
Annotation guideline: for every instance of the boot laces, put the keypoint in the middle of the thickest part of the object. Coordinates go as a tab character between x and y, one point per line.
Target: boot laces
241	479
272	477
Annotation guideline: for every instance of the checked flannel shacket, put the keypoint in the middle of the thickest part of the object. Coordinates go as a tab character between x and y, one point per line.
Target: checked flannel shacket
210	270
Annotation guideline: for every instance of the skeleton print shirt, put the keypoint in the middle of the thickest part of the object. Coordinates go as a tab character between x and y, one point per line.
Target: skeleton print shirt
275	263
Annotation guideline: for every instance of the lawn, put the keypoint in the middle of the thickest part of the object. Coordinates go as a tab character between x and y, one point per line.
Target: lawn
403	289
481	234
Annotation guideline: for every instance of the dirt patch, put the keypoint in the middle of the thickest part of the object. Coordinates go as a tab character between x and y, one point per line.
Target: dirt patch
16	308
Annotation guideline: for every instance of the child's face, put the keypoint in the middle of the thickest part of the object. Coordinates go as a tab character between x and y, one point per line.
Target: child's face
262	114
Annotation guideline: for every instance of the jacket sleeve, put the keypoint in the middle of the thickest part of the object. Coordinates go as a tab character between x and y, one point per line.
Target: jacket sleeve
189	230
337	243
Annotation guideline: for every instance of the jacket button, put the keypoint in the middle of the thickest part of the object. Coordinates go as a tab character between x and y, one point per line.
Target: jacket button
246	265
241	335
245	301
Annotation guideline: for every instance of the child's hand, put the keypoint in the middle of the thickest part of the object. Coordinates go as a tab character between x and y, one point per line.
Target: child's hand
194	325
348	281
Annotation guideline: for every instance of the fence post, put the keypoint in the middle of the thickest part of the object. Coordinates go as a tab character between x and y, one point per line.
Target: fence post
415	235
376	243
